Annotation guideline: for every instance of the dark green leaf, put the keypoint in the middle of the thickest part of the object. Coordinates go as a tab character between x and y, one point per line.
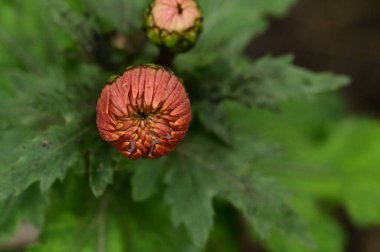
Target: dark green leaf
29	206
101	168
205	170
122	15
213	119
263	203
189	193
269	81
45	158
147	175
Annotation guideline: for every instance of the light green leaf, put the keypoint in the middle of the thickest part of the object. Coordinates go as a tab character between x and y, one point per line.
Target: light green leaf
326	231
79	222
328	158
352	151
97	232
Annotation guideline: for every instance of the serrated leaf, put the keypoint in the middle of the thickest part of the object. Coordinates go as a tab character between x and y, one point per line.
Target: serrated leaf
147	175
204	170
45	158
190	193
269	81
213	119
101	168
262	203
266	82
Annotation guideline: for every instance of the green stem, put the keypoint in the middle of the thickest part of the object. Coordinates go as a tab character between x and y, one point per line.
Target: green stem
165	58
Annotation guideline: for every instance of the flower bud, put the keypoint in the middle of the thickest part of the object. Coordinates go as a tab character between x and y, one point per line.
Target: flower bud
144	113
173	24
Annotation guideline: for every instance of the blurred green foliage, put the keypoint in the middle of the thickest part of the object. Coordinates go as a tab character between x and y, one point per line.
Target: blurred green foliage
265	151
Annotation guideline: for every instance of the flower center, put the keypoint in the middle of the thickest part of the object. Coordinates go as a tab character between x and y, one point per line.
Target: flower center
142	115
179	8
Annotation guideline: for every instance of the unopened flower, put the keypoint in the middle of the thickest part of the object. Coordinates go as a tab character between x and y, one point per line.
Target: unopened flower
144	113
174	24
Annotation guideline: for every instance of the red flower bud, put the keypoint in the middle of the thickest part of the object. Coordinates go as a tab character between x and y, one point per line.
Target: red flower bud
144	113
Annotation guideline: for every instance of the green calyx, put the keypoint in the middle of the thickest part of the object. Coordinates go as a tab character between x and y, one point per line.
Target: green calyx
175	41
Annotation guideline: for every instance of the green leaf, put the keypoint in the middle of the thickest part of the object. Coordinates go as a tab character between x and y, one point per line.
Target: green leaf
213	119
65	232
29	206
262	202
352	150
101	168
147	175
328	158
269	81
23	22
326	230
76	26
189	193
329	150
204	170
266	82
79	222
45	158
121	15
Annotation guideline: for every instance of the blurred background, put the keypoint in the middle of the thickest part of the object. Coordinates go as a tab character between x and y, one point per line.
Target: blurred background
342	36
338	35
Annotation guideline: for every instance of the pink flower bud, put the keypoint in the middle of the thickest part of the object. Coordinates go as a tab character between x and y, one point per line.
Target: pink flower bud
174	24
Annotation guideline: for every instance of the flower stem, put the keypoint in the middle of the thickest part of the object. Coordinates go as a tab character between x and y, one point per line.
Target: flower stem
165	58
